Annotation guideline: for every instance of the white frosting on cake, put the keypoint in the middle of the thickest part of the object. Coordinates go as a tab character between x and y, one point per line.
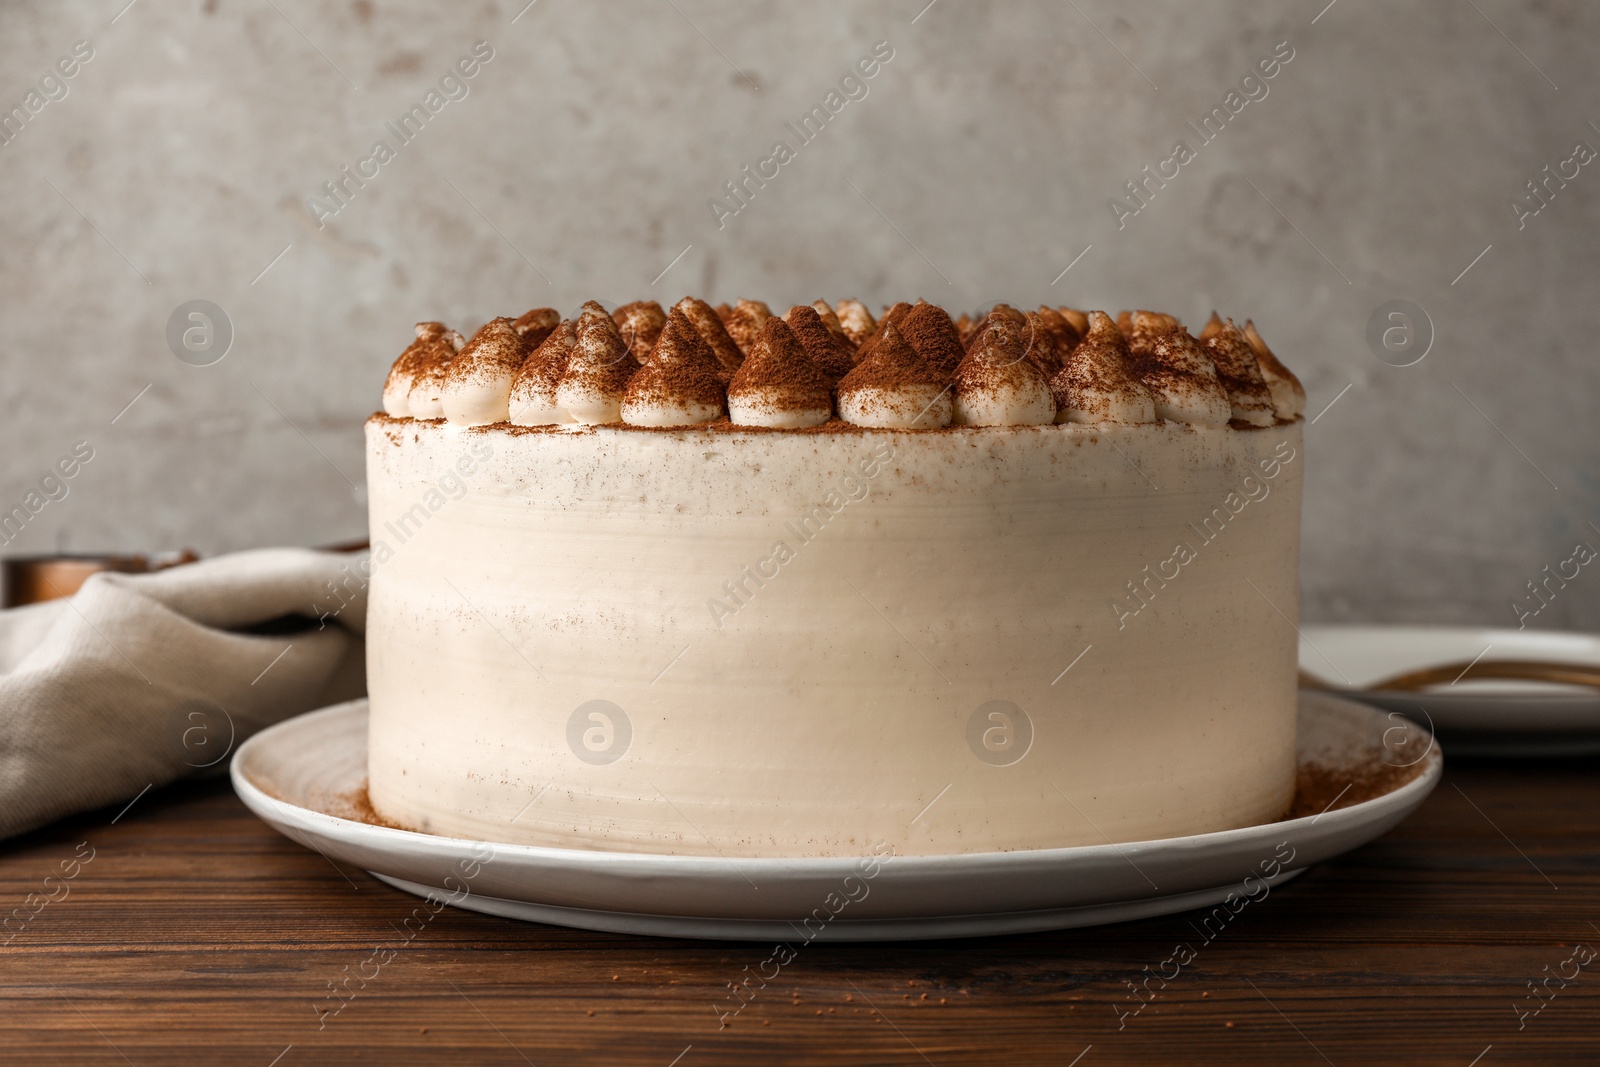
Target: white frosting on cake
533	400
711	330
397	395
830	319
907	407
997	385
1097	384
425	400
598	371
854	318
403	374
1183	381
894	388
427	377
680	384
777	385
801	641
640	324
755	410
477	385
1288	395
1240	374
668	411
744	322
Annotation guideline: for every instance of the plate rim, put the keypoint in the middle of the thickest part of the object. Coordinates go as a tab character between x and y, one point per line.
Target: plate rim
886	929
1407	795
1491	635
1515	721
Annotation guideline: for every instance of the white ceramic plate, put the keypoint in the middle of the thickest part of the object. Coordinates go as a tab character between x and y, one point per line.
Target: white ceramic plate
1475	718
291	774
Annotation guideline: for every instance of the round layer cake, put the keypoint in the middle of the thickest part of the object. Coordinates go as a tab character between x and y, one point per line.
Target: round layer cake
999	632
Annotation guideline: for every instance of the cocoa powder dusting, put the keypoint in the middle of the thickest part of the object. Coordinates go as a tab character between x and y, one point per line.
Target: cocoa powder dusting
1236	366
418	355
830	319
919	344
779	374
356	806
864	351
1271	368
1104	330
966	328
744	323
535	325
1067	335
681	368
1007	313
831	353
891	364
891	317
433	364
600	361
711	330
1144	328
1318	788
544	367
927	329
1047	345
998	358
856	320
640	324
1078	319
1095	370
1169	358
1000	313
1100	366
495	348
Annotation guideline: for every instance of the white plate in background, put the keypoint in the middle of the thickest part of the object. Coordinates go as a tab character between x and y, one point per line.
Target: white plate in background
293	775
1510	718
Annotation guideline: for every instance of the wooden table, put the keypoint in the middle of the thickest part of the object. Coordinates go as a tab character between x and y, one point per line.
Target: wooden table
195	934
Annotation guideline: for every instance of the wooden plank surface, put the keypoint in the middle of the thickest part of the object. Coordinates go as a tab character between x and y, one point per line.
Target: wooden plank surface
189	932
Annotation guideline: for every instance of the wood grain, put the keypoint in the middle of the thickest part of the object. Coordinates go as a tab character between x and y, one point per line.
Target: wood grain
196	934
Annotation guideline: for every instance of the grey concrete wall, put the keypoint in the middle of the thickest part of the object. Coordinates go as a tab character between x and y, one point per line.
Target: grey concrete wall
1381	163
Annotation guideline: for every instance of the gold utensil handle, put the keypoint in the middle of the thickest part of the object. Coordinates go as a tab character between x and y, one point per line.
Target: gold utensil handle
1464	670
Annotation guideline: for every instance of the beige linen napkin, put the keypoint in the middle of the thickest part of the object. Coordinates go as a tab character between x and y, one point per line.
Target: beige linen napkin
140	679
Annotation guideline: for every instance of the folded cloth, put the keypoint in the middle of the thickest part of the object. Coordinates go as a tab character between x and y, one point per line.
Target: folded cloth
140	679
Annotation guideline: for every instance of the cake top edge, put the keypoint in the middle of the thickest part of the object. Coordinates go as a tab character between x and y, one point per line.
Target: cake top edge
835	426
824	367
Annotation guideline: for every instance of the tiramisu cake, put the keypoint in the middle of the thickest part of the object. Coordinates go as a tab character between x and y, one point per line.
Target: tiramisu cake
720	581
